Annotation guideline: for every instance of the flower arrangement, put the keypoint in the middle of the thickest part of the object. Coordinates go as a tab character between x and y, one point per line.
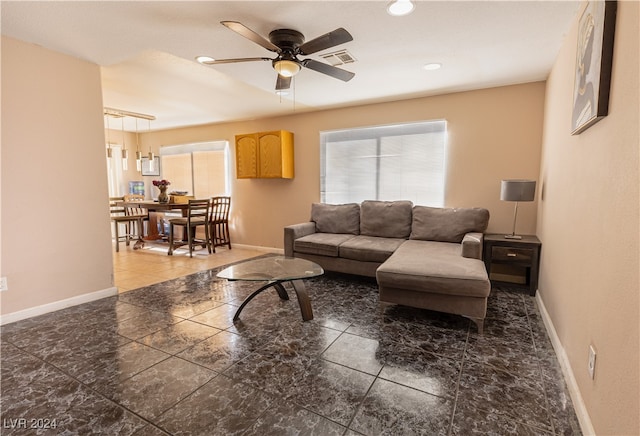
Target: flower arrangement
161	183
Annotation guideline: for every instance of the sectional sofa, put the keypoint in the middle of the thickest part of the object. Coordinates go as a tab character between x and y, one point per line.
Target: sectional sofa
423	257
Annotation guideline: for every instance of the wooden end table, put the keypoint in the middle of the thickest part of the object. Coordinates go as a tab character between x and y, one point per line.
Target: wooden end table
523	252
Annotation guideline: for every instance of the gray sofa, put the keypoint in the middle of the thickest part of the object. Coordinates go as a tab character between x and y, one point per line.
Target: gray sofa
424	257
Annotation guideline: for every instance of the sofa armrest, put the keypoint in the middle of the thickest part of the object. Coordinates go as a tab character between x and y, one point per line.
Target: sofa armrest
295	231
472	245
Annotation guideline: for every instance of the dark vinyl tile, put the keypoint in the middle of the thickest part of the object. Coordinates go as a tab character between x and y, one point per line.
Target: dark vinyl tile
150	430
108	373
515	356
392	409
420	370
501	392
145	324
355	352
305	339
168	359
160	387
331	390
271	371
220	351
469	420
220	317
39	393
98	416
222	406
285	419
179	336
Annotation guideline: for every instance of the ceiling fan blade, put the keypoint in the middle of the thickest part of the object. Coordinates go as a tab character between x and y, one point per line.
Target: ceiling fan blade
329	70
251	35
328	40
283	83
234	60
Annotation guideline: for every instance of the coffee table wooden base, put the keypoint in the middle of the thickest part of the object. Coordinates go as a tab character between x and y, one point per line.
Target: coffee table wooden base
301	293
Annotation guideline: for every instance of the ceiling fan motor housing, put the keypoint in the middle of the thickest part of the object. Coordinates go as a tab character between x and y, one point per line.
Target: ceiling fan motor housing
286	39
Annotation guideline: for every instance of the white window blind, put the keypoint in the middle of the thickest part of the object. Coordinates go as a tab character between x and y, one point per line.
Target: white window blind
396	162
200	169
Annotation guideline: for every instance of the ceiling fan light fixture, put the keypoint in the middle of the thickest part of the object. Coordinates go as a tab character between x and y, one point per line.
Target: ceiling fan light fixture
205	59
398	8
286	68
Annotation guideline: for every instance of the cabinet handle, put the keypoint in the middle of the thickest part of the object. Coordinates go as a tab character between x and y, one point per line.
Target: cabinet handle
511	254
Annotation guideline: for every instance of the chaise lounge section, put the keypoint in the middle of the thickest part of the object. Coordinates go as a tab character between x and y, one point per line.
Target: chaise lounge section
424	257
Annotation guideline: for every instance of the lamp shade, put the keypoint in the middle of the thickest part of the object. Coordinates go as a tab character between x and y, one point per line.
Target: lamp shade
518	190
286	68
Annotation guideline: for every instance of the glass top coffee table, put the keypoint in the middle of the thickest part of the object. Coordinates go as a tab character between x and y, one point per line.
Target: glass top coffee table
276	270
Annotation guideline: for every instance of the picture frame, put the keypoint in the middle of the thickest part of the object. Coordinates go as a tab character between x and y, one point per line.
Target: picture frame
594	60
146	166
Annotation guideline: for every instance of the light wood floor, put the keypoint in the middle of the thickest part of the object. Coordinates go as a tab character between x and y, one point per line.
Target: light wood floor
133	269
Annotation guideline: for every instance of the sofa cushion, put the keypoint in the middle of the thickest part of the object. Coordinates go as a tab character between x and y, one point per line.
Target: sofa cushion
336	218
369	248
436	267
387	219
324	244
447	224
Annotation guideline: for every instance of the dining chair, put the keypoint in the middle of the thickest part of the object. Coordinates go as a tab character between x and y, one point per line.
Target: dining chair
137	210
120	216
197	215
219	222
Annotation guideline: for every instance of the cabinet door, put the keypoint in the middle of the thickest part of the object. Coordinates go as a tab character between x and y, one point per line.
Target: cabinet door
246	156
270	155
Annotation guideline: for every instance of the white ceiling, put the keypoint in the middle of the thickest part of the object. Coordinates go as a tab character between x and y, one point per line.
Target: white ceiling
146	50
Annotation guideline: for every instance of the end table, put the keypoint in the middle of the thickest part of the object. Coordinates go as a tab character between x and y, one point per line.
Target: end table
523	252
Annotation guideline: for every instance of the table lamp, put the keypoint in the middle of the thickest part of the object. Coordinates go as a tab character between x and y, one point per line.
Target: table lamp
517	190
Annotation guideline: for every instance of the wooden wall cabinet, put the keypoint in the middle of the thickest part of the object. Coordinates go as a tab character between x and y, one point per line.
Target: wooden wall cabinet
265	155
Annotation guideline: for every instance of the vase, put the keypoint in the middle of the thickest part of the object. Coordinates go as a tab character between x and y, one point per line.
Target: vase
163	197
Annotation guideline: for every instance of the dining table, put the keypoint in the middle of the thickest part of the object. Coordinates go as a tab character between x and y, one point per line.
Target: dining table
155	208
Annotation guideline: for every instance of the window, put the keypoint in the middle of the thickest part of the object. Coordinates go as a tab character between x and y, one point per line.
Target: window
115	173
200	169
396	162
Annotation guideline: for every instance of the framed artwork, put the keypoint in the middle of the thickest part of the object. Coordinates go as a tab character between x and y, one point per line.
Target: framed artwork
593	64
146	166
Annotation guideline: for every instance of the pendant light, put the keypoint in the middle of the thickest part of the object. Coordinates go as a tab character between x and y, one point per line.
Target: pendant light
125	153
109	150
138	152
151	155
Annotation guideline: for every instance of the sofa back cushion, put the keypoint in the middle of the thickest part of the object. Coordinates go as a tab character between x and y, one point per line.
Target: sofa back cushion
387	219
336	218
447	224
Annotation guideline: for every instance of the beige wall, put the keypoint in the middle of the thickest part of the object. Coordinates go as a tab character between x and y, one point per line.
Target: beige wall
588	221
492	134
55	222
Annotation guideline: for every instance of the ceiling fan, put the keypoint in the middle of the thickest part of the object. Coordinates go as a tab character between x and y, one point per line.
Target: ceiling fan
289	44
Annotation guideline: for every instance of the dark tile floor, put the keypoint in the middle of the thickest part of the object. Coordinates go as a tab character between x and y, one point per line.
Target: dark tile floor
167	359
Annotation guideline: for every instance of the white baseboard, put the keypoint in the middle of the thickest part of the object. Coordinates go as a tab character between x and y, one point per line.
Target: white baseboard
57	305
576	397
259	248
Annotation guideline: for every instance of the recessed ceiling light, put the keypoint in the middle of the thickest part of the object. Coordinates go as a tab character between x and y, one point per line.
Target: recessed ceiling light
432	66
205	59
400	7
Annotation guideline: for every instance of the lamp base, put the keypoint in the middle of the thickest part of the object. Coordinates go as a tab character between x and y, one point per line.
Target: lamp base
513	237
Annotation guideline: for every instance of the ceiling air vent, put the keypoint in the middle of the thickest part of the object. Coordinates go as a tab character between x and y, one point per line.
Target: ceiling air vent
339	58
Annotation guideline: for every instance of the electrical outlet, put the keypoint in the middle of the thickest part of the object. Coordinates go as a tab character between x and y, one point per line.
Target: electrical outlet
592	362
4	286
